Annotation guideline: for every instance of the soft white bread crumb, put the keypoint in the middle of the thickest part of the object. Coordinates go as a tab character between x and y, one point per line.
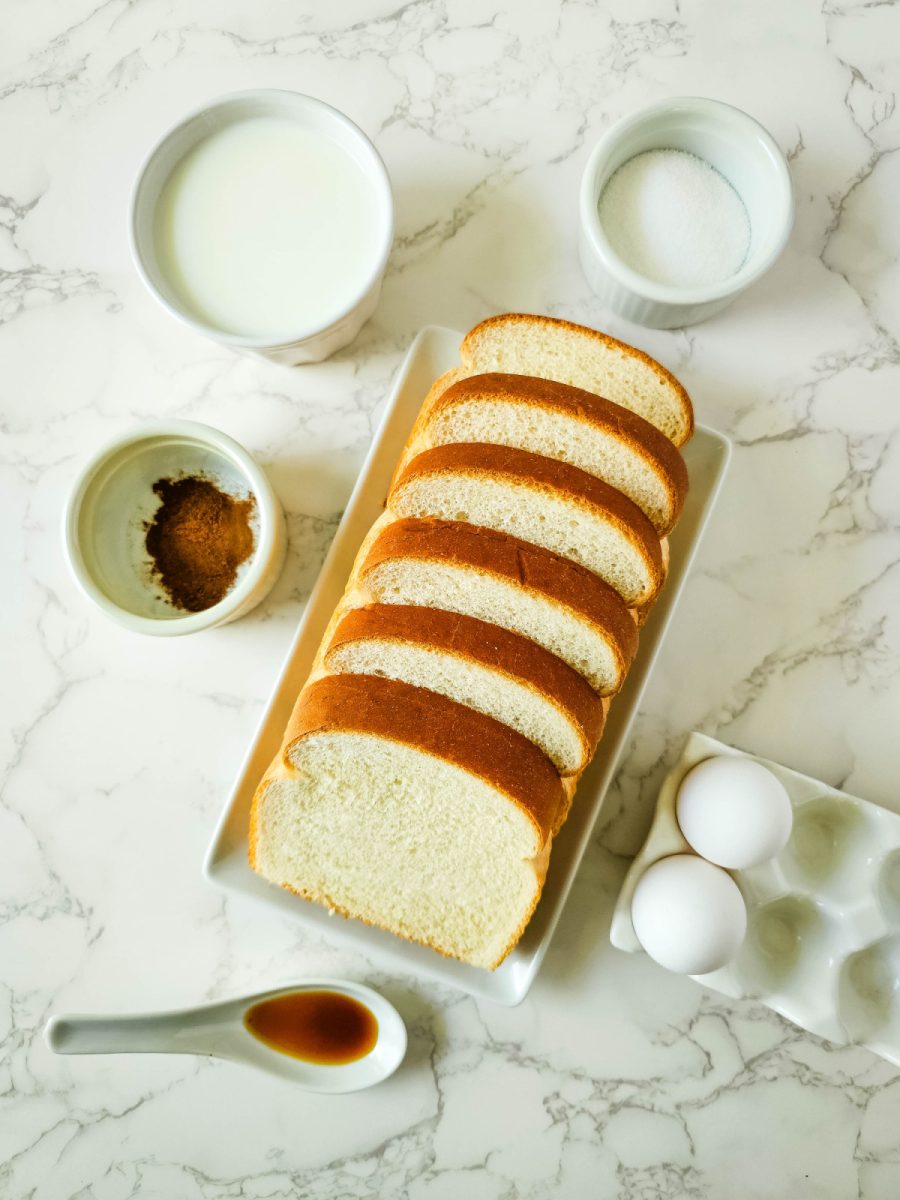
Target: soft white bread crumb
564	423
382	832
521	344
541	501
534	713
460	589
402	808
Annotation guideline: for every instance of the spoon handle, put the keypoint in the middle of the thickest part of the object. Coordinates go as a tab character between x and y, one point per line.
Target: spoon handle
160	1034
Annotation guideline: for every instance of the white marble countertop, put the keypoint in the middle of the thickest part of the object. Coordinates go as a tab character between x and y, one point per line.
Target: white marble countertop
613	1079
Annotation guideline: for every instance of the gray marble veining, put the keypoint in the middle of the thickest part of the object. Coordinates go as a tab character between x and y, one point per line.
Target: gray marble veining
613	1079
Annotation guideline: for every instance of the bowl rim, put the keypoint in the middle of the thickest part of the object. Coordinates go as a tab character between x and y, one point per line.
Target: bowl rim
376	170
746	127
268	509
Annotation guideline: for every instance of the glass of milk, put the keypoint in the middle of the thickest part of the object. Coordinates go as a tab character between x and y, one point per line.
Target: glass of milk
264	220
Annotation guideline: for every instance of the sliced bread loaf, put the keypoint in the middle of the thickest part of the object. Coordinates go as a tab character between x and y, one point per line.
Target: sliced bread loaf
399	807
539	500
499	579
520	344
561	422
497	672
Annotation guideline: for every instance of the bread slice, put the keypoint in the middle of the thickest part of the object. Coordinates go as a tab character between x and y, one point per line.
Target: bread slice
521	344
539	500
487	668
564	423
480	573
403	809
420	781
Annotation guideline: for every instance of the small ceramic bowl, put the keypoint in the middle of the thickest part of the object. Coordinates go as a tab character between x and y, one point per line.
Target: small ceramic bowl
741	150
113	499
304	345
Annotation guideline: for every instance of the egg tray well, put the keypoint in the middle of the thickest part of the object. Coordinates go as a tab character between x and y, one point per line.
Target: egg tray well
823	917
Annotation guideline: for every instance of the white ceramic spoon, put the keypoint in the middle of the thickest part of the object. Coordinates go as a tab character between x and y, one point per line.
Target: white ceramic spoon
218	1031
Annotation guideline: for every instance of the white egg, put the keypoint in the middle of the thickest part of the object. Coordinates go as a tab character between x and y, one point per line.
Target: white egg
688	915
734	812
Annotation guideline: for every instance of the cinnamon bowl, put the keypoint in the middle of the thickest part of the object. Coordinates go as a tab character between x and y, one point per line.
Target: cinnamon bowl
112	503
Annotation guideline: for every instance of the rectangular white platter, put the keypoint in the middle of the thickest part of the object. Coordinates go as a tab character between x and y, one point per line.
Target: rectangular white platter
434	351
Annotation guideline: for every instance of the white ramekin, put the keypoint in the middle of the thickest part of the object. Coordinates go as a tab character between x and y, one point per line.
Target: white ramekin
741	150
112	498
304	345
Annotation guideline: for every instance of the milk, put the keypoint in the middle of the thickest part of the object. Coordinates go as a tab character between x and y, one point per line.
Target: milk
267	229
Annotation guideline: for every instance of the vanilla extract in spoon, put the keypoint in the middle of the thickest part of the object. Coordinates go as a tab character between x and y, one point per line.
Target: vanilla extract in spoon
328	1028
308	1034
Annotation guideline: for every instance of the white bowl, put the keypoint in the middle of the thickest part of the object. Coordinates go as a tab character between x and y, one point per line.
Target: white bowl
741	150
112	498
335	330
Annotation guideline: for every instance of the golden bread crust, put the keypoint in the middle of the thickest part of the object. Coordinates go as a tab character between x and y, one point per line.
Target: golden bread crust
587	408
531	567
501	650
467	354
399	712
546	476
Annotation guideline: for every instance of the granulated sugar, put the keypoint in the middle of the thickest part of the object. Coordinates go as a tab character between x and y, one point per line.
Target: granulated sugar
674	219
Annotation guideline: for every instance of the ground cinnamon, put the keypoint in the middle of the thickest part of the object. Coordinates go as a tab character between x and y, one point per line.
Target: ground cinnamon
197	540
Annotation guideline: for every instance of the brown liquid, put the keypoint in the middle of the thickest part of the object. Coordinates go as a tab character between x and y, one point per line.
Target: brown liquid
319	1027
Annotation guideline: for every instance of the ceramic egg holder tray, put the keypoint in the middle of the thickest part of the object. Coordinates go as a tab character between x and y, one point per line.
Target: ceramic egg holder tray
823	917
